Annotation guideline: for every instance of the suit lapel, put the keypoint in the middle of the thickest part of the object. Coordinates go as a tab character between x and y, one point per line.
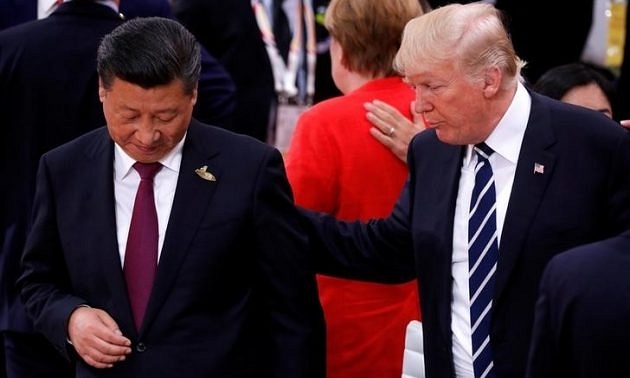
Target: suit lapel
102	226
192	198
533	173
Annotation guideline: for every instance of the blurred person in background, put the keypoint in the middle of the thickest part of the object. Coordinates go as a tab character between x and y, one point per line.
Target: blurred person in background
217	92
335	166
230	33
578	84
48	95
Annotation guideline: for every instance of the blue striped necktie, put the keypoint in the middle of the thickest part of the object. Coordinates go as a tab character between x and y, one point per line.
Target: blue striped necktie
483	249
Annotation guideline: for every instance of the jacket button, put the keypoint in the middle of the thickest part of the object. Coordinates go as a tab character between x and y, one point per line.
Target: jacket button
140	347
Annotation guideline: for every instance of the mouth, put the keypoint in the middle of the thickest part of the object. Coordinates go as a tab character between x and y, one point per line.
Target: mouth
430	124
146	150
427	122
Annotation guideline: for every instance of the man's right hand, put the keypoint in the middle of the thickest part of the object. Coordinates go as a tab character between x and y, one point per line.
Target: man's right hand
97	338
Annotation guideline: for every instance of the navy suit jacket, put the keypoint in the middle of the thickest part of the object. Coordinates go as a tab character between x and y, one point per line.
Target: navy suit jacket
583	195
48	96
233	297
582	323
14	12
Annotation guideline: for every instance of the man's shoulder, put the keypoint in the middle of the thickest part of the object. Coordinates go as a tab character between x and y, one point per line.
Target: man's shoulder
217	138
572	120
84	141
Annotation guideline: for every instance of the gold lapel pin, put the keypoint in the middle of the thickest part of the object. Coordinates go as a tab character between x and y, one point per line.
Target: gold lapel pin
204	174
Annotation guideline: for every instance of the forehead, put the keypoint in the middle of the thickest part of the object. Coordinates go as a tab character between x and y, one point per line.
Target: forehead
589	95
444	71
134	92
429	77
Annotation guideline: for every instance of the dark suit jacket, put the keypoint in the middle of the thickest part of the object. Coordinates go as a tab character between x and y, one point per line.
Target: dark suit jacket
48	95
228	30
14	12
583	195
217	92
582	324
234	295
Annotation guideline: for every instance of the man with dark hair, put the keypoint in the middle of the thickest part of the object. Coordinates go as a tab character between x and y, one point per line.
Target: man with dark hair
48	94
164	247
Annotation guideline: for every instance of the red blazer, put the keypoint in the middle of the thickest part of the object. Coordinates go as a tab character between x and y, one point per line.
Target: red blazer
336	166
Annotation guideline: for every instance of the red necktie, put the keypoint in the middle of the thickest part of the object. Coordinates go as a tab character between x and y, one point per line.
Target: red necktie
142	243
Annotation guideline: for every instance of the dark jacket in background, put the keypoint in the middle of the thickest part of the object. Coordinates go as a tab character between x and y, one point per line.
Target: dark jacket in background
228	30
48	95
545	34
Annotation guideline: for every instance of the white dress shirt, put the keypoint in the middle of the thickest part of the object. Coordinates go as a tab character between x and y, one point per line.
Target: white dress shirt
46	7
506	141
126	181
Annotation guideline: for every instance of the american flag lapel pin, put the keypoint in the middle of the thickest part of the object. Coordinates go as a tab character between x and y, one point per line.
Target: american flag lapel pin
539	168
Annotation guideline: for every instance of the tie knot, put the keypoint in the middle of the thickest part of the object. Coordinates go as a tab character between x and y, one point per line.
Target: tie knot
483	150
147	170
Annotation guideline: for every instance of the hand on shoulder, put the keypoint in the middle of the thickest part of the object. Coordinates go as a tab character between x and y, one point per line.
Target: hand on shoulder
392	128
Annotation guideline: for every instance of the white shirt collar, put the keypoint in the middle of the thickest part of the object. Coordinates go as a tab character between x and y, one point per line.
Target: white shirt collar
123	163
507	137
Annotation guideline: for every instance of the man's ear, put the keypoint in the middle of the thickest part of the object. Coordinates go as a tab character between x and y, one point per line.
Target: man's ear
195	94
101	90
492	81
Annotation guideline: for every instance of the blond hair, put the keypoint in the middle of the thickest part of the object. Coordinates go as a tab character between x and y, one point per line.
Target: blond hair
472	36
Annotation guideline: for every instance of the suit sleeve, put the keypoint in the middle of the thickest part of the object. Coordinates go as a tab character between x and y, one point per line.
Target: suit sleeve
286	276
44	281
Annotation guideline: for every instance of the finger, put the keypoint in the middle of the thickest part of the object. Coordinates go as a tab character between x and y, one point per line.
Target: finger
625	123
384	111
98	352
96	364
111	332
94	357
379	123
381	137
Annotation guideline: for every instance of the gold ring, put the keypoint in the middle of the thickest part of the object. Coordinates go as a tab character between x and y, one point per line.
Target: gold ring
391	132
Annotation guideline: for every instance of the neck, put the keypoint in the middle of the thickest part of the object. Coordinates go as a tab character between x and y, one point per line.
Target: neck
353	80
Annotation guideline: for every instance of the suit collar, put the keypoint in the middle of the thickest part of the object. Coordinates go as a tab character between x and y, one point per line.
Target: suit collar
507	137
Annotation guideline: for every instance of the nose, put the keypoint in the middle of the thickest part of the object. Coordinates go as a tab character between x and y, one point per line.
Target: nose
421	105
146	133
